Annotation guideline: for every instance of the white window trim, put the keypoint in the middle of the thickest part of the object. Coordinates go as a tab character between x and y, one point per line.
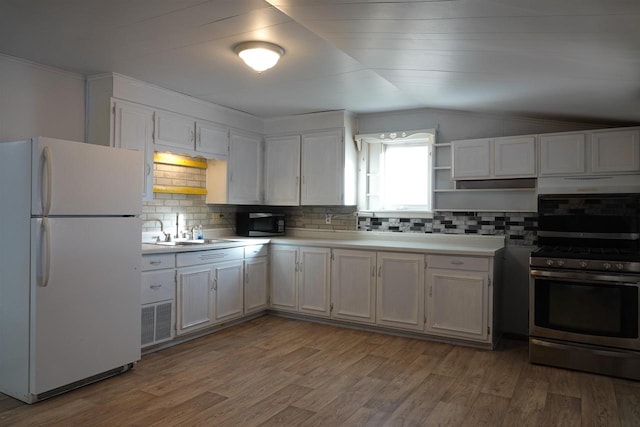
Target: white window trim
427	136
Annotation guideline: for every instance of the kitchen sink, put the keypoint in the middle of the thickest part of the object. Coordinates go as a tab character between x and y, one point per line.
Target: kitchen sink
190	242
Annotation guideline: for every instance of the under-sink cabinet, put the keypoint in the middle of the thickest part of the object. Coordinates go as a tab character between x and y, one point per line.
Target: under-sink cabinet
210	288
157	298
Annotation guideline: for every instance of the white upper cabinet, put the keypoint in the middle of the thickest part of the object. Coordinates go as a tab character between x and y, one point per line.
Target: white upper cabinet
212	138
175	130
322	168
497	158
562	154
471	159
615	151
514	157
133	129
282	171
245	169
595	152
184	134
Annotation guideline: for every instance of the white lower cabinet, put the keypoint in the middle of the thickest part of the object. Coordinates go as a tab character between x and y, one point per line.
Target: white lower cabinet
210	288
256	270
228	287
400	293
300	279
157	299
314	272
284	272
353	285
458	301
195	298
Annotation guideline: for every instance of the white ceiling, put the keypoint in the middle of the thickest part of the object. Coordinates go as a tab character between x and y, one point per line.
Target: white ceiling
563	59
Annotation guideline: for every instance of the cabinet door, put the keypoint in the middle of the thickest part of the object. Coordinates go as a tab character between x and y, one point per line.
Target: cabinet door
282	171
515	157
194	298
400	296
471	159
255	284
322	168
353	285
245	169
284	267
457	304
562	154
133	129
228	279
175	130
314	272
212	138
615	151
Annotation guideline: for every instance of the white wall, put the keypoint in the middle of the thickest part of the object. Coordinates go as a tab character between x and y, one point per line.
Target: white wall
39	100
454	125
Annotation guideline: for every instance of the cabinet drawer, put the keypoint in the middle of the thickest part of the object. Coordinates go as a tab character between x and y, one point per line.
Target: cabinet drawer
458	263
158	261
255	251
157	286
208	257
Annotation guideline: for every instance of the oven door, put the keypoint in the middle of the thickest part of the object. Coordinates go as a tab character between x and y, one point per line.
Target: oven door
582	307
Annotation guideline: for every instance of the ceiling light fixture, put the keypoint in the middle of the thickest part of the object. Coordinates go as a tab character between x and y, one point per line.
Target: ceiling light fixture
259	55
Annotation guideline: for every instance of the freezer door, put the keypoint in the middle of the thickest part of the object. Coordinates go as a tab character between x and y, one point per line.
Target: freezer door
85	316
74	178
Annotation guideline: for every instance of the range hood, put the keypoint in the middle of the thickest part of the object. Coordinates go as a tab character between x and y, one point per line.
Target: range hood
589	184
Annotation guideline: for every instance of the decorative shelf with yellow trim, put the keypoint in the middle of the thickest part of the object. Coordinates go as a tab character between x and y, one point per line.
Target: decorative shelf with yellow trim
176	160
174	189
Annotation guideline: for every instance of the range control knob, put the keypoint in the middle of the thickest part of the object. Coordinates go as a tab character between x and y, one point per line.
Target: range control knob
620	266
560	263
583	264
549	262
606	266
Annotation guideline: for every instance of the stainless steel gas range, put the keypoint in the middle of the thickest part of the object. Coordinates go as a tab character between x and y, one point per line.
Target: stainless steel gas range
585	282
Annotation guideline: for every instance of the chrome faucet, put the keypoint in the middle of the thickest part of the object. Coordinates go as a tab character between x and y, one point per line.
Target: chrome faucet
167	236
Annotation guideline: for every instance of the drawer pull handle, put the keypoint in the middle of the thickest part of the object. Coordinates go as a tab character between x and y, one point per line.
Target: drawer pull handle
155	286
155	262
457	262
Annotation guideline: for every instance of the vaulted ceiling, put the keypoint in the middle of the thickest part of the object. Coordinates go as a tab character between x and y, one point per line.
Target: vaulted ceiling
562	59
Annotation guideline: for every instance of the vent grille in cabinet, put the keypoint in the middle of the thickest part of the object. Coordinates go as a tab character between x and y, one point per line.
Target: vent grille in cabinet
148	317
163	321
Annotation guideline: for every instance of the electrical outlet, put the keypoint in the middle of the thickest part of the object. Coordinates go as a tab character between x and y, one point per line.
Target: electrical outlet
217	217
327	218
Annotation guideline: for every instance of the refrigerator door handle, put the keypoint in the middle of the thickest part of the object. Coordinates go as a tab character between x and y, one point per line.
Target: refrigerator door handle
46	201
46	254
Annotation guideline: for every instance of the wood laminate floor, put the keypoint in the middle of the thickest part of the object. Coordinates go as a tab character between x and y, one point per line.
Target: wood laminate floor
280	372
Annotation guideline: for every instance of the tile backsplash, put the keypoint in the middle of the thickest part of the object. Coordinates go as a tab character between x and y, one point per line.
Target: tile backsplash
519	228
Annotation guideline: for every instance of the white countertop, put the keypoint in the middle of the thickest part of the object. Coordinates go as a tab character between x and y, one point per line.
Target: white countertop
448	244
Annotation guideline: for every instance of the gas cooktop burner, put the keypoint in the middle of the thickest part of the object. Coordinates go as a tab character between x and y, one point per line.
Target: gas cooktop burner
573	252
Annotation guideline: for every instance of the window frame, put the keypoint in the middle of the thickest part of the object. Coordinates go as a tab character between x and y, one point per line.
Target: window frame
365	143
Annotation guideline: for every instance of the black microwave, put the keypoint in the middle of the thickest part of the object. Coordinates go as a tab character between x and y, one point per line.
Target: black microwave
259	224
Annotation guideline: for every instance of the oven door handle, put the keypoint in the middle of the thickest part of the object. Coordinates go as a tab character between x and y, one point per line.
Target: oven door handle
586	277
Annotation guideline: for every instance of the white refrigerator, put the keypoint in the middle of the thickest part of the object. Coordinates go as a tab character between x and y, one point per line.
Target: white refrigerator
70	259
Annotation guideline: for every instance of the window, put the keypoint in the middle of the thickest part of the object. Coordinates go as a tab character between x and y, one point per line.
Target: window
396	173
